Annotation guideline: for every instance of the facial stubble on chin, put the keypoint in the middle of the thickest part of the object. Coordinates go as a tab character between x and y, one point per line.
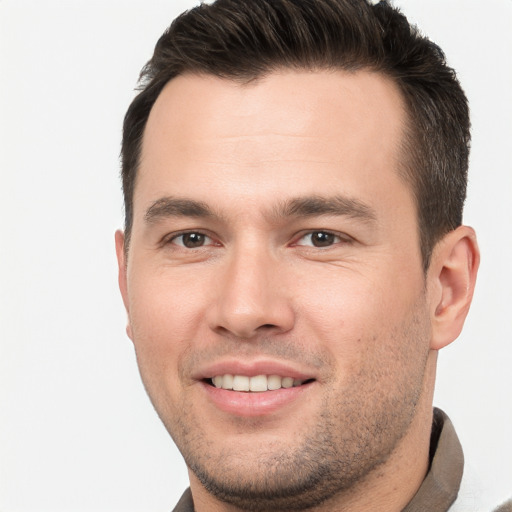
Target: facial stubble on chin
355	432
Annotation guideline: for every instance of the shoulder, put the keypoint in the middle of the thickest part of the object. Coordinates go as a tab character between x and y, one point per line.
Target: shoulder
505	507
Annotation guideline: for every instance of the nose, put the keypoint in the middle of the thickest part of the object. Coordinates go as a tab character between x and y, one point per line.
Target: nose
252	296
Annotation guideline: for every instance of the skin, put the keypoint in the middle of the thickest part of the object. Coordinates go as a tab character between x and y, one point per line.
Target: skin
355	312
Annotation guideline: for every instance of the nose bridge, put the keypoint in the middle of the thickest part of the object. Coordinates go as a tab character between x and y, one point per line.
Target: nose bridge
250	296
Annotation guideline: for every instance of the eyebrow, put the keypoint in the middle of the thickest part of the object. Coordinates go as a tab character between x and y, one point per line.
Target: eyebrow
312	206
308	206
176	207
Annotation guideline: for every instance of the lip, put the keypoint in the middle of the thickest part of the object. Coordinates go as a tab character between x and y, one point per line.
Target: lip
247	404
251	404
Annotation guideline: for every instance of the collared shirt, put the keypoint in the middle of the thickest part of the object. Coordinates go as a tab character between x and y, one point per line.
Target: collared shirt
438	491
441	485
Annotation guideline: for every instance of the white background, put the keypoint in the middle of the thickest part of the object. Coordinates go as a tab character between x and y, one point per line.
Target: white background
77	432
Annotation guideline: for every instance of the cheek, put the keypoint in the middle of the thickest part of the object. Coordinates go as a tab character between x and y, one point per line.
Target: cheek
165	303
164	319
343	302
354	316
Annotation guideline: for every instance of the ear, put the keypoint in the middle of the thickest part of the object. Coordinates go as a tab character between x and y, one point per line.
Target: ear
122	275
452	276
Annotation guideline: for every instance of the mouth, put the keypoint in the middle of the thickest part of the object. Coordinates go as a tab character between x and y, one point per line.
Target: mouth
255	384
255	388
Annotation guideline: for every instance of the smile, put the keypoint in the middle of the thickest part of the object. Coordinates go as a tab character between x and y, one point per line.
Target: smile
256	384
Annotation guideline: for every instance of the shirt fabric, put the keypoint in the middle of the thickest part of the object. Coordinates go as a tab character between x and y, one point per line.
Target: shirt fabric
440	488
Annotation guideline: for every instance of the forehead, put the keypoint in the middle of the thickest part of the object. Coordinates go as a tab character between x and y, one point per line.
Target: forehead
296	132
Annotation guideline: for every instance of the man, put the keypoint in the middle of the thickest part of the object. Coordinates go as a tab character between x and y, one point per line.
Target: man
293	258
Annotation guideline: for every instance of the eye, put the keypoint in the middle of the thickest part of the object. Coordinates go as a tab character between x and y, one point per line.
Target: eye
191	240
320	239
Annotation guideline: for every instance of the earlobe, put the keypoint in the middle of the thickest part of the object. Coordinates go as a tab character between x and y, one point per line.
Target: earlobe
452	275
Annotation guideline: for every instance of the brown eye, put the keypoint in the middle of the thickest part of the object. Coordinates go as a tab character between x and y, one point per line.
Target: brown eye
191	240
322	239
319	239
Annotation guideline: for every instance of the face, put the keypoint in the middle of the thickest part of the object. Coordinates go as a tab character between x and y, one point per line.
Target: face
274	283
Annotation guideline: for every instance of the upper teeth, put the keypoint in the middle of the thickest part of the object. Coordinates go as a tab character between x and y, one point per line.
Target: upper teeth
257	383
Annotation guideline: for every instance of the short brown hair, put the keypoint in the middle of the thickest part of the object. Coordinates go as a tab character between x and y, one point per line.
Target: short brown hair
245	40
